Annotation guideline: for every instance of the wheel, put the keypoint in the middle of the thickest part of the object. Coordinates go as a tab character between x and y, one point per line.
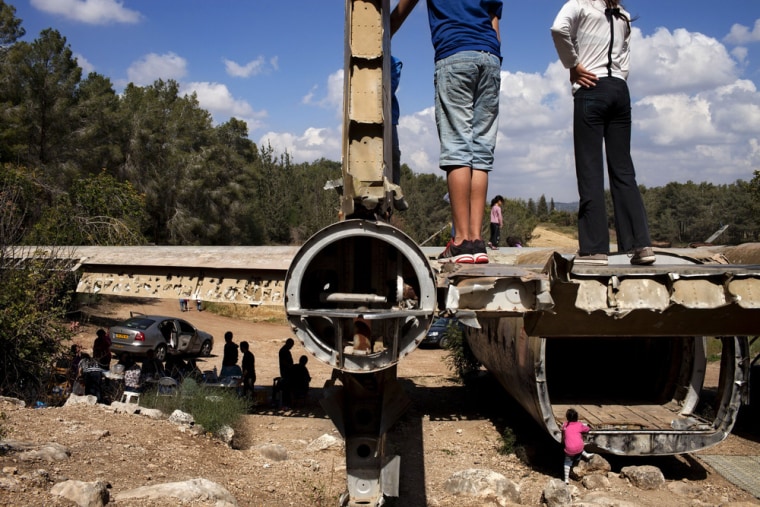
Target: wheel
444	343
206	349
161	352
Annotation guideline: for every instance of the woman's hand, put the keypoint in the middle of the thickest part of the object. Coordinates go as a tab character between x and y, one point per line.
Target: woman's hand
580	75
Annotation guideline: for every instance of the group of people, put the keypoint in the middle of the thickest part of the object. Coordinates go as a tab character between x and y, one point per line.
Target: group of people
592	38
86	372
294	378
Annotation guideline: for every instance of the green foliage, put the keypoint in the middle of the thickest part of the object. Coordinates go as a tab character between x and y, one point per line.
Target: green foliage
98	210
507	442
460	357
32	310
212	408
683	213
10	26
519	221
715	348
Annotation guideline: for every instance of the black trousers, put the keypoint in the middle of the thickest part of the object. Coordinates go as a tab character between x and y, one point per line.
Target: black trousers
602	119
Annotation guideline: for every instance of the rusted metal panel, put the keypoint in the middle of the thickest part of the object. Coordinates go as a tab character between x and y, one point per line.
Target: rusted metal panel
746	291
367	186
699	293
366	103
366	28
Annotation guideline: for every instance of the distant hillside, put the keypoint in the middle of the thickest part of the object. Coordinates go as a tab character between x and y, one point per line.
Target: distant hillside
566	206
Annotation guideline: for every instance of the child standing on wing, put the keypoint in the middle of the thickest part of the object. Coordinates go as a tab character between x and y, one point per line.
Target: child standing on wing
465	36
572	438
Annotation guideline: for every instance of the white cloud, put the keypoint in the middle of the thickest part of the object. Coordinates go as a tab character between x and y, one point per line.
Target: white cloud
741	34
333	97
678	61
694	119
313	144
94	12
740	53
86	66
152	67
217	100
253	68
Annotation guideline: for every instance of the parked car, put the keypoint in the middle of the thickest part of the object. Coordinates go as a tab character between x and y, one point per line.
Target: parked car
437	334
141	333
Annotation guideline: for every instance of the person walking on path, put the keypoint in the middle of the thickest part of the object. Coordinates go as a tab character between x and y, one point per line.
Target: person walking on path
466	39
592	38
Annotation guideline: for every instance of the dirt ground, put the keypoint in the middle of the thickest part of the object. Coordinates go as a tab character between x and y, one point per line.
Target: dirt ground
543	237
448	428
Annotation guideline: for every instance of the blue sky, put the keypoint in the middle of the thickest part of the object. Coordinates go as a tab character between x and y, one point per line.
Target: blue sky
694	79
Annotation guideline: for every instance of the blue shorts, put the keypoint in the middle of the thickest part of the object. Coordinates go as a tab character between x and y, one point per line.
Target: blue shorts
467	108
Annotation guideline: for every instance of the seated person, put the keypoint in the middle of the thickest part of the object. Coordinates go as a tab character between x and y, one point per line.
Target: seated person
90	374
125	360
132	378
151	368
296	384
175	367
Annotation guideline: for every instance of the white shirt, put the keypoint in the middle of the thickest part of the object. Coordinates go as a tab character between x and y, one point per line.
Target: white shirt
582	34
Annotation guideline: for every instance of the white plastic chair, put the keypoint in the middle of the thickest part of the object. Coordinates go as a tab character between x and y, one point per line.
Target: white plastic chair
130	397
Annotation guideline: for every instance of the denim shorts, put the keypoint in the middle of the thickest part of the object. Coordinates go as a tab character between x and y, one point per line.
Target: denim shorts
467	108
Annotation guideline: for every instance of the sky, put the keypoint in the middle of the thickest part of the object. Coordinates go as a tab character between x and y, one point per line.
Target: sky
278	65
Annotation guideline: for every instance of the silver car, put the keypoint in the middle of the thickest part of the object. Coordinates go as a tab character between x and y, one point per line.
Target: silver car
141	333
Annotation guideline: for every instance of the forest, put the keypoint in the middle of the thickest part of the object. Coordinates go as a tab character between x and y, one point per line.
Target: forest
81	164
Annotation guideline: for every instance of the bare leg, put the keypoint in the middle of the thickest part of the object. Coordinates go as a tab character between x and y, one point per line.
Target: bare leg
459	180
478	191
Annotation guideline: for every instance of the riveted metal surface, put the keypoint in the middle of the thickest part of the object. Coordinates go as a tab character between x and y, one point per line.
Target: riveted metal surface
696	293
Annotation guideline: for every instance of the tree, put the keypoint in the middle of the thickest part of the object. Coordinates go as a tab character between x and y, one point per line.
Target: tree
429	215
10	26
542	210
39	88
97	210
519	221
166	138
99	129
33	301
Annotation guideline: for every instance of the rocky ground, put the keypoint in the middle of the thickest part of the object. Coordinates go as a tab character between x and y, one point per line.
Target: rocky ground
282	458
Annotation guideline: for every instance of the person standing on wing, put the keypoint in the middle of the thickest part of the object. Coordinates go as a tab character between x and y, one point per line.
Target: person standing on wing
592	38
465	36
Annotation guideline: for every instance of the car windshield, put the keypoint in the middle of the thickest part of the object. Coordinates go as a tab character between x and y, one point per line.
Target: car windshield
140	323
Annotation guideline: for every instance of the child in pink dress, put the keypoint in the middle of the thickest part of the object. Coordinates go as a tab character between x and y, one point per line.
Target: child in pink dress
572	438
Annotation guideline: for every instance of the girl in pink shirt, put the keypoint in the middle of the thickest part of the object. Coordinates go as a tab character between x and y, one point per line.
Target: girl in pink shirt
572	438
496	222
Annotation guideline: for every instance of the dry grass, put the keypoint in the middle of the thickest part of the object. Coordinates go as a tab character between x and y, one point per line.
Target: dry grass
274	314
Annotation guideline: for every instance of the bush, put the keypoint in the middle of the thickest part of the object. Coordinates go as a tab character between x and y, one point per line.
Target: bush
212	408
460	358
508	442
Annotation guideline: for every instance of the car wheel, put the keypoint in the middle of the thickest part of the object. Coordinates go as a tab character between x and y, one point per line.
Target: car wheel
161	352
206	348
444	343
